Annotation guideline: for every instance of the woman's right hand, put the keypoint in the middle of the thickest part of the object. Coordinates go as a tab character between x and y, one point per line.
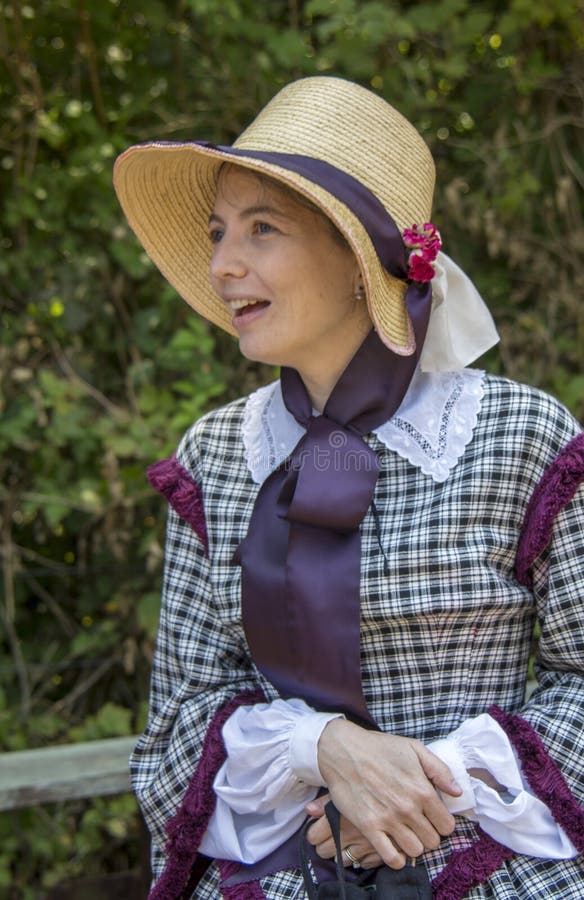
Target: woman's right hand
387	787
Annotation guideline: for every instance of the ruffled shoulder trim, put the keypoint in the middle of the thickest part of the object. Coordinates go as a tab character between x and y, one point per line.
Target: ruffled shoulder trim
186	829
543	774
556	488
174	482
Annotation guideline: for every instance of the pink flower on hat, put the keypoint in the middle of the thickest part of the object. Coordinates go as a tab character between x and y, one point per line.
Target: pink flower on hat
424	241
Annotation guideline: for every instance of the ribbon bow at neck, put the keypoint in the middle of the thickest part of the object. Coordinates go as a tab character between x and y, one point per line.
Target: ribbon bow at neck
301	557
325	455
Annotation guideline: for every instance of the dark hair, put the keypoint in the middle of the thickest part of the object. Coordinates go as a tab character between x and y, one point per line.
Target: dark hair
294	196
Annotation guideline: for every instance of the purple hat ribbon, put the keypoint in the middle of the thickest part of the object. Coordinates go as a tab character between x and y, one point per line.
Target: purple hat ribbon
392	251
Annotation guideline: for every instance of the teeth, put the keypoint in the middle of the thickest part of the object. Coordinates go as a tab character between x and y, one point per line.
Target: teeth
239	304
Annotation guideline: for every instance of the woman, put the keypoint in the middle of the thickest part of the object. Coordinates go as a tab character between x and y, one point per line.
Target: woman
351	581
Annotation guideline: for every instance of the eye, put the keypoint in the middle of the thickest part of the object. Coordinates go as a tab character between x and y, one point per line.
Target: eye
263	228
215	235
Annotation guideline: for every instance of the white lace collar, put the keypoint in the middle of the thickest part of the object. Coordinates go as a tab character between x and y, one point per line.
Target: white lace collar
431	428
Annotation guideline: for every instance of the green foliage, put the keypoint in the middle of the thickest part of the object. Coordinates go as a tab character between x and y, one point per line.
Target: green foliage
102	367
63	842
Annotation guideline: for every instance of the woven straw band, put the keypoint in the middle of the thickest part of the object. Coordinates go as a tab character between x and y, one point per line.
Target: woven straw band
167	190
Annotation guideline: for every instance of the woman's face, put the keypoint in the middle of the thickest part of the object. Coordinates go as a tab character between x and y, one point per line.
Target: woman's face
288	281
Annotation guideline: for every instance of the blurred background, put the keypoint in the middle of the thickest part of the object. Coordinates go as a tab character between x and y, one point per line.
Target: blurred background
102	367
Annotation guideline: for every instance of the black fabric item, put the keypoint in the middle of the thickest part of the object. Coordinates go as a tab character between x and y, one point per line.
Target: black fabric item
409	883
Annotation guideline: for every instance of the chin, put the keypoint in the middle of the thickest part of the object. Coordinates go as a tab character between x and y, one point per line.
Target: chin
255	353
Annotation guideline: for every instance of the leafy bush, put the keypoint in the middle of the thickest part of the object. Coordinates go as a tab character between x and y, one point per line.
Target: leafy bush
103	367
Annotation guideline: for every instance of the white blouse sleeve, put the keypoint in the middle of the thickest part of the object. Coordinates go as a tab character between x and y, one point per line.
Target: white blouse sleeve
513	817
270	773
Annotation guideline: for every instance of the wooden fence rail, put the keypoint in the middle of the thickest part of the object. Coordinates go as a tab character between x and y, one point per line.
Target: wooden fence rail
67	772
70	772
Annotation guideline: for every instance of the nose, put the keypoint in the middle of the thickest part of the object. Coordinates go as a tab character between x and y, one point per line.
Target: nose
227	259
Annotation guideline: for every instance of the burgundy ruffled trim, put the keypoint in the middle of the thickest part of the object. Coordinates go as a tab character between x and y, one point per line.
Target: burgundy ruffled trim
543	774
556	488
186	829
183	493
247	890
467	868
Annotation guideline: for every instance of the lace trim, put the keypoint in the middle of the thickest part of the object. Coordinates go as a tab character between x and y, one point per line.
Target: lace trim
431	429
186	829
436	420
257	438
269	432
558	485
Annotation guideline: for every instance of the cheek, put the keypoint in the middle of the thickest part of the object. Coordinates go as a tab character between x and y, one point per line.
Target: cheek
335	292
212	270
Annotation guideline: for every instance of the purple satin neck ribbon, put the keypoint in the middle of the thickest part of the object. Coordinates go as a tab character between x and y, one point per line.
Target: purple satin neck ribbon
301	557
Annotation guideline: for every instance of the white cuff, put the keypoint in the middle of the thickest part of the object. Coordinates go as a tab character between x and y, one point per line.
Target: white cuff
447	750
270	773
515	818
304	746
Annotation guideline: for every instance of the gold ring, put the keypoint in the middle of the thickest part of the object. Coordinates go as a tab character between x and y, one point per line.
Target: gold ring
352	859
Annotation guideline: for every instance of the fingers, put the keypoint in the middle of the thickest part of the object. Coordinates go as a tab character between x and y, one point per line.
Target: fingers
429	817
388	852
370	861
359	858
369	856
364	853
424	813
388	786
437	771
315	808
319	833
349	858
415	822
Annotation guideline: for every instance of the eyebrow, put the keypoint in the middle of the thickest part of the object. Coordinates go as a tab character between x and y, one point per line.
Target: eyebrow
258	210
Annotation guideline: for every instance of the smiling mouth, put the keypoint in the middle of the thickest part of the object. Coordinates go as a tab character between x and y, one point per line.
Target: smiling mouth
241	307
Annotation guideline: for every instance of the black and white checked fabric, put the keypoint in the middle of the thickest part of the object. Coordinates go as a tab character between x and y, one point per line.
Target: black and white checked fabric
446	629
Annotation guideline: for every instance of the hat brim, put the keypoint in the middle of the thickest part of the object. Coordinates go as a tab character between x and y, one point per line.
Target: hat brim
167	192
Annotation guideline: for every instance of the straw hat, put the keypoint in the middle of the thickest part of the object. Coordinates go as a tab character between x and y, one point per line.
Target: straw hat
167	190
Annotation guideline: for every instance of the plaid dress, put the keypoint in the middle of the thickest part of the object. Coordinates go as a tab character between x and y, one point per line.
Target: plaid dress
446	627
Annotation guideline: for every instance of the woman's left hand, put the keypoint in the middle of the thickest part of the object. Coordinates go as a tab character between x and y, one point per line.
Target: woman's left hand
320	836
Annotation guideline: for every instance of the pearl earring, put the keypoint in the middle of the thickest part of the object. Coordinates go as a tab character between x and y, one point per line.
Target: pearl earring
360	292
